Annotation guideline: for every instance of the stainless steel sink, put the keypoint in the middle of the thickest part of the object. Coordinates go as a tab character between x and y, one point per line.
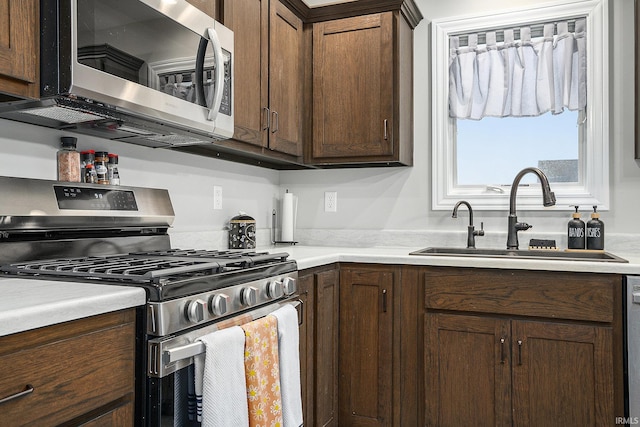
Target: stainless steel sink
526	254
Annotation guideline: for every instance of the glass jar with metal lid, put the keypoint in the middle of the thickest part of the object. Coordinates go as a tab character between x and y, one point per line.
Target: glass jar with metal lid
100	165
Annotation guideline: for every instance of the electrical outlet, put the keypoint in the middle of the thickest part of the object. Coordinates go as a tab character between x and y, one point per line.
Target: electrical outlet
217	197
331	201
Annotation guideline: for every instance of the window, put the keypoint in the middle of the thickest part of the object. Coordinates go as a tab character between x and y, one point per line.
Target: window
476	160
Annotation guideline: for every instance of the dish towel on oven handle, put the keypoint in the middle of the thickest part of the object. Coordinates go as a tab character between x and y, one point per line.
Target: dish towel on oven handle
262	371
289	353
220	379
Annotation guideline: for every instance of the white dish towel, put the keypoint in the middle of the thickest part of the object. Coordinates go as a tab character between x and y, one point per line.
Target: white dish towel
289	357
220	373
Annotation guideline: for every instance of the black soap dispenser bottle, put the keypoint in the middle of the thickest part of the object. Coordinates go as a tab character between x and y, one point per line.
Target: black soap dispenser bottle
595	231
576	232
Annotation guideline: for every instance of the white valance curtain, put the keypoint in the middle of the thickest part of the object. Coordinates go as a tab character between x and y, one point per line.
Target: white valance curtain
519	78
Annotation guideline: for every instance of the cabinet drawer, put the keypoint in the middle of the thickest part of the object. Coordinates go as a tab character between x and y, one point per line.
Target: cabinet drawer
71	374
574	296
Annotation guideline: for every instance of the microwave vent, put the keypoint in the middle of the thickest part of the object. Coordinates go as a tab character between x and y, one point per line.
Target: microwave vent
174	139
63	114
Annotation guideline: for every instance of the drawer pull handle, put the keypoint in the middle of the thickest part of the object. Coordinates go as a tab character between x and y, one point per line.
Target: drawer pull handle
27	390
274	119
267	118
502	352
519	352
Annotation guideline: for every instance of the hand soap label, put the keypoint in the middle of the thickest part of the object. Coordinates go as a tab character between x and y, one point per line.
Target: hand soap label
575	232
595	237
576	236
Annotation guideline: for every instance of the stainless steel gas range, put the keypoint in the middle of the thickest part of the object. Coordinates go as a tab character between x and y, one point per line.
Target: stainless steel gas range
119	235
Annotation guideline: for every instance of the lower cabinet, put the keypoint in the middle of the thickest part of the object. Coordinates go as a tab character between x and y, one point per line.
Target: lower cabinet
509	348
319	286
362	344
366	346
446	346
75	373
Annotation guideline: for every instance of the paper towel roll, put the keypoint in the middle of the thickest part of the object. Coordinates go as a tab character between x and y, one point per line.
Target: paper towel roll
289	205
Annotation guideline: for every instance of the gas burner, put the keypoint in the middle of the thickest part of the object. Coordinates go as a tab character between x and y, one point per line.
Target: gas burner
165	274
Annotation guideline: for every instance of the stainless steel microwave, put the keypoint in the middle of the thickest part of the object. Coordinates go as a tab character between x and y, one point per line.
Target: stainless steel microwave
153	72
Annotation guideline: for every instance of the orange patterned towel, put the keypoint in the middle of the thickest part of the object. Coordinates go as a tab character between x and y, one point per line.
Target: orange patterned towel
262	372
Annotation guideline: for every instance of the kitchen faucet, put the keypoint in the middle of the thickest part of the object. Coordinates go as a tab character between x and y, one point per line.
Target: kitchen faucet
471	232
548	199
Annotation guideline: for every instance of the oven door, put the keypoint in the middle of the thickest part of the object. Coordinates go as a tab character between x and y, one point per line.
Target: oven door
170	390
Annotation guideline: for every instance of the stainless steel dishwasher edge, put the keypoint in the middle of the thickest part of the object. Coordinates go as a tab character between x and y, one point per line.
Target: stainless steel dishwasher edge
633	347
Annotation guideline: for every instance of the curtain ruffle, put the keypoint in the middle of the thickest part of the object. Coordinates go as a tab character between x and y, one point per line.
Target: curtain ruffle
523	78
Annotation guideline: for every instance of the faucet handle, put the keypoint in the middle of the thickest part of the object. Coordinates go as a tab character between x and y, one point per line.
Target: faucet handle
481	231
521	226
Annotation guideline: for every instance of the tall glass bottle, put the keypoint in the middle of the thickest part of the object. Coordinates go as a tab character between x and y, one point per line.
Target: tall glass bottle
68	160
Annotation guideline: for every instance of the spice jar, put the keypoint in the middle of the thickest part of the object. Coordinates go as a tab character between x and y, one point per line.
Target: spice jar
100	165
112	167
87	157
89	174
68	160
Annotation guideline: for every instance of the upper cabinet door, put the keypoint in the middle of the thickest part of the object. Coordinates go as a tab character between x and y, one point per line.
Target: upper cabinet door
249	20
268	75
285	80
19	48
353	87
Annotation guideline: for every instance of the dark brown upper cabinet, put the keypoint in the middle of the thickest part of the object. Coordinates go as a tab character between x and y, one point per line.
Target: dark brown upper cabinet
269	75
19	49
363	91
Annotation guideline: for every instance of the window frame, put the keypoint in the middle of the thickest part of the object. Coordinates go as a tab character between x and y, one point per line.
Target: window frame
594	163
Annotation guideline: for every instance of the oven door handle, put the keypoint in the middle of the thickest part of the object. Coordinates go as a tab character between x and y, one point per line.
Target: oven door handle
172	355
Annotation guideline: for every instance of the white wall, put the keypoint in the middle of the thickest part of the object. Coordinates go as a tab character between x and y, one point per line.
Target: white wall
400	199
30	151
378	199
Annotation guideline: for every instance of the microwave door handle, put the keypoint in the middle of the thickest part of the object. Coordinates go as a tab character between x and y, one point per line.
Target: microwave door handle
219	85
201	99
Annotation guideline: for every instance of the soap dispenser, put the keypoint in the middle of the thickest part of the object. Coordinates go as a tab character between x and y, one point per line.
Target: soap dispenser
576	232
595	231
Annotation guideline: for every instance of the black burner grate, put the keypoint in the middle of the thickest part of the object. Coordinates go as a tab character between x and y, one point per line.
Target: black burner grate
166	273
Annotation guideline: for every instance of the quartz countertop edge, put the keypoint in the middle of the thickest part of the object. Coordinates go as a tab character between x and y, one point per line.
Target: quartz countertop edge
315	256
31	303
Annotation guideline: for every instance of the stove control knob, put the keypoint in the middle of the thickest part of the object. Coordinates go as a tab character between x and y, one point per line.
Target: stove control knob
196	310
219	304
249	296
289	285
275	289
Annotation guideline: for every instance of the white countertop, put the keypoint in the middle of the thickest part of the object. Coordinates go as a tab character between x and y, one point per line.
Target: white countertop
29	304
313	256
